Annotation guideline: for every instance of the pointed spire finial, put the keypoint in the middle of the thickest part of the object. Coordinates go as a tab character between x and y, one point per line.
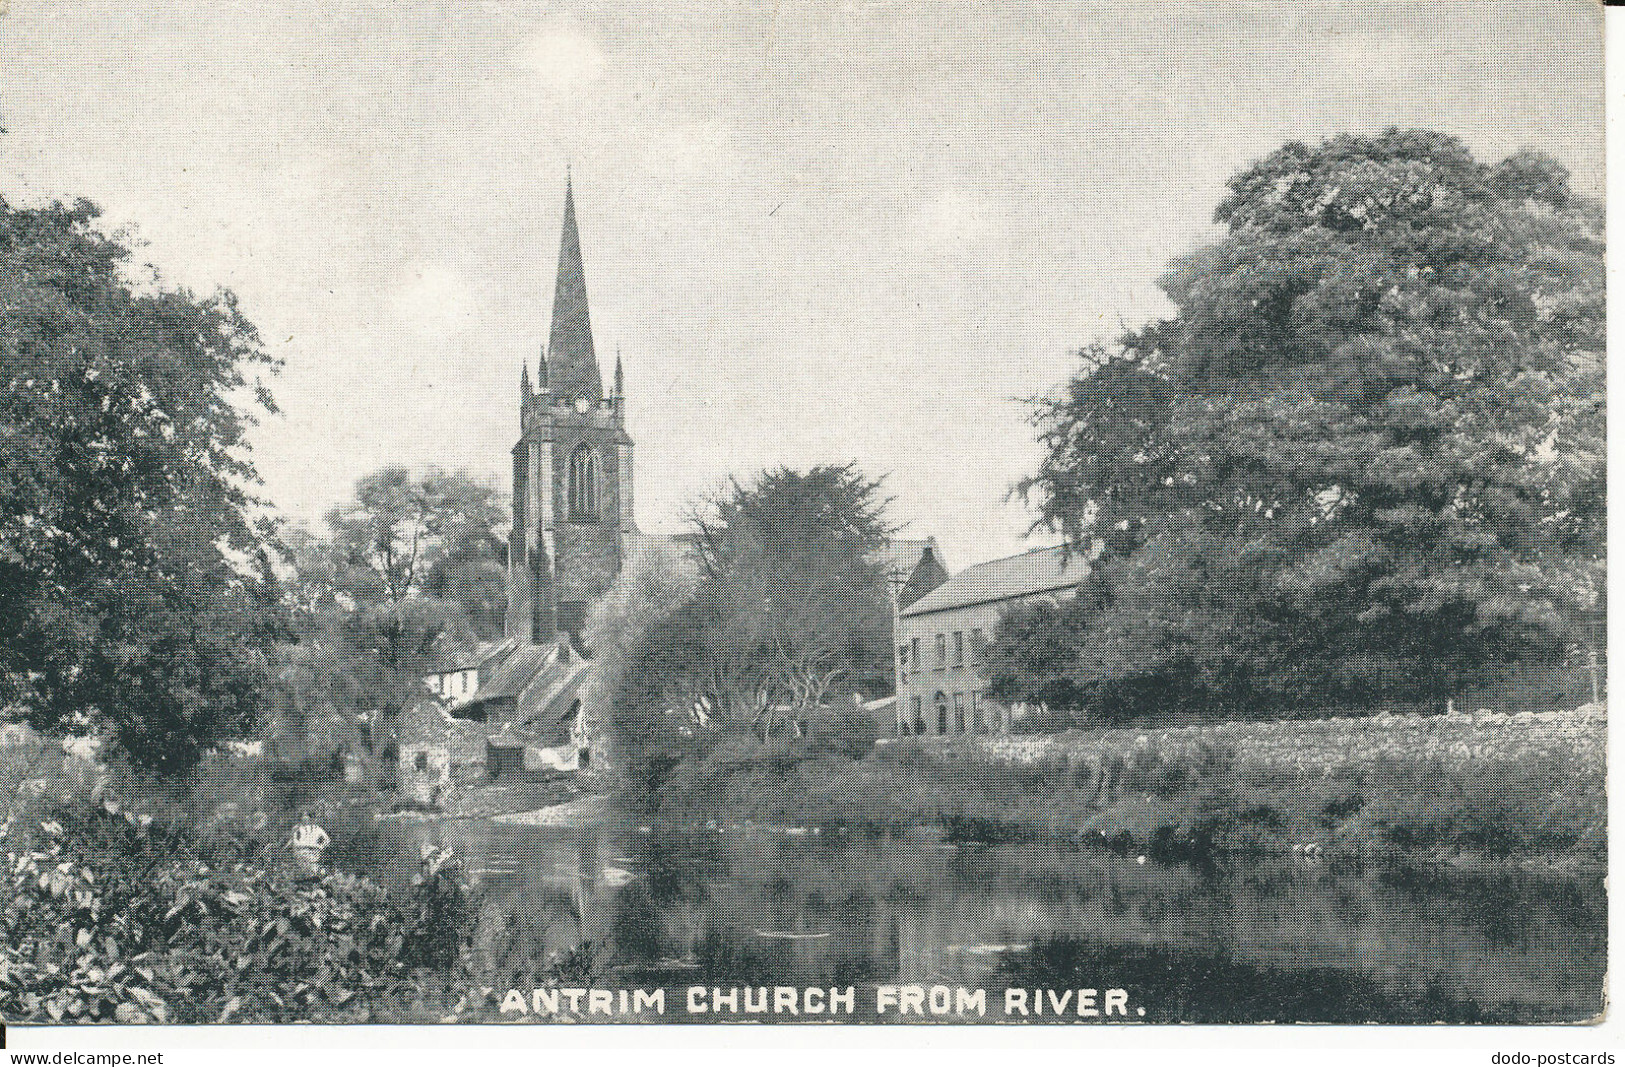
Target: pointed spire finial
541	369
620	376
524	380
573	367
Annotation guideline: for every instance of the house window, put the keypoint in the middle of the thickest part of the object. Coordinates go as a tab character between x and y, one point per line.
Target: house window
959	648
942	651
978	645
941	702
583	487
421	762
959	713
919	718
914	652
902	661
976	711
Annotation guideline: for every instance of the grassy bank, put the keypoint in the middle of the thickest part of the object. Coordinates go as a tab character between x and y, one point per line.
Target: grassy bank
1485	784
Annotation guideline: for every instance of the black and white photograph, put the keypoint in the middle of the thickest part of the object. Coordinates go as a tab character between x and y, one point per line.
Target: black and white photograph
867	513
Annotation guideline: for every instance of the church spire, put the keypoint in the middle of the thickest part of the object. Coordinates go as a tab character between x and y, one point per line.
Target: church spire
573	369
620	376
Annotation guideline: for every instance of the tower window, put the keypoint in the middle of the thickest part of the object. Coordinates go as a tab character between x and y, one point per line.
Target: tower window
583	485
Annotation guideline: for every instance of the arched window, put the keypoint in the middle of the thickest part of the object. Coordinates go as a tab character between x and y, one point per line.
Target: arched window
583	485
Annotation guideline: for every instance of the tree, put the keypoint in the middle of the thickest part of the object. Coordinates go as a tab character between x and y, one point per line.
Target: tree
645	660
411	562
773	603
791	581
135	594
1363	460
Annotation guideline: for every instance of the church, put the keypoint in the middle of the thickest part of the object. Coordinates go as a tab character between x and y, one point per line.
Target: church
519	704
572	470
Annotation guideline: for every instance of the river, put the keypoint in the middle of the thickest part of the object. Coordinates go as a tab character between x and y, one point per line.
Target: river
1288	938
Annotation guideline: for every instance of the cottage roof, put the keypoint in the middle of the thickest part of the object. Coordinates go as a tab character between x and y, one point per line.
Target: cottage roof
1041	570
447	660
517	672
549	699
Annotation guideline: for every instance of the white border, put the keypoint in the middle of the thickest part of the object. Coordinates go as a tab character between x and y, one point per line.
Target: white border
1322	1046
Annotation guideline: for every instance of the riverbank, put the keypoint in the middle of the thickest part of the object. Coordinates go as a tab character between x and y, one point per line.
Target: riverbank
1524	787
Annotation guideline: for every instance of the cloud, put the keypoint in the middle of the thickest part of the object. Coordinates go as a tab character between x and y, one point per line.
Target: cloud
953	218
562	56
434	301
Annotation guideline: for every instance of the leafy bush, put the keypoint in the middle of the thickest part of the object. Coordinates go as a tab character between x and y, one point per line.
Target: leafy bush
114	917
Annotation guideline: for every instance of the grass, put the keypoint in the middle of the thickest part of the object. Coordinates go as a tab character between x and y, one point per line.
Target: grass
1481	784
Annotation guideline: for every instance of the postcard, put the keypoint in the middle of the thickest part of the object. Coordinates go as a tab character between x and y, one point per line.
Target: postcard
1075	514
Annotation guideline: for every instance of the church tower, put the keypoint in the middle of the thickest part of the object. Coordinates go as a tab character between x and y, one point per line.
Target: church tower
572	469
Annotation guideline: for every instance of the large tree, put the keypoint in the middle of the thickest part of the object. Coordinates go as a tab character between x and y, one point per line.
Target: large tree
134	594
411	563
1364	458
775	604
792	582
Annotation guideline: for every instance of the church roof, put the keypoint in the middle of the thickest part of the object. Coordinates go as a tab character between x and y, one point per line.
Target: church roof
1043	570
572	363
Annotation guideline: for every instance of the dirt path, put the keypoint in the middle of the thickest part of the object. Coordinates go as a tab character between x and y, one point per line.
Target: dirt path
583	811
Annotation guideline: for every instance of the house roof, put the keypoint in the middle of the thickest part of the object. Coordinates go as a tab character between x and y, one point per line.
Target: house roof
1041	570
638	541
448	660
516	673
902	554
548	700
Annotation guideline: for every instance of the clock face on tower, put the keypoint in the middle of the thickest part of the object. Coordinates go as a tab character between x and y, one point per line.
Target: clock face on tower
582	404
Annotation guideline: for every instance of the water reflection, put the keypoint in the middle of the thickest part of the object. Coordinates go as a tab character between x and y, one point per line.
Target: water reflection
1278	939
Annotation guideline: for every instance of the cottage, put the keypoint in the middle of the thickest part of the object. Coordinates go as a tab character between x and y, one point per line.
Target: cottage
433	748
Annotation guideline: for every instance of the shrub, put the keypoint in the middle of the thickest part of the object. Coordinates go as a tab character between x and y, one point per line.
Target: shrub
115	917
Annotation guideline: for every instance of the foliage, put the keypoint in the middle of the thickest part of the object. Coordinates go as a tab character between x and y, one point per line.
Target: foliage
114	916
134	594
773	612
794	592
1365	457
412	563
440	913
641	648
845	728
1376	788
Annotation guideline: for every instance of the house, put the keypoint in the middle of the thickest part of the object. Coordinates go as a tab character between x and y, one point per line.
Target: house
459	673
432	746
914	567
942	636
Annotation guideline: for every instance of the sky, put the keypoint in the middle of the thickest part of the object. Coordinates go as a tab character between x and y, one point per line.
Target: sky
817	232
